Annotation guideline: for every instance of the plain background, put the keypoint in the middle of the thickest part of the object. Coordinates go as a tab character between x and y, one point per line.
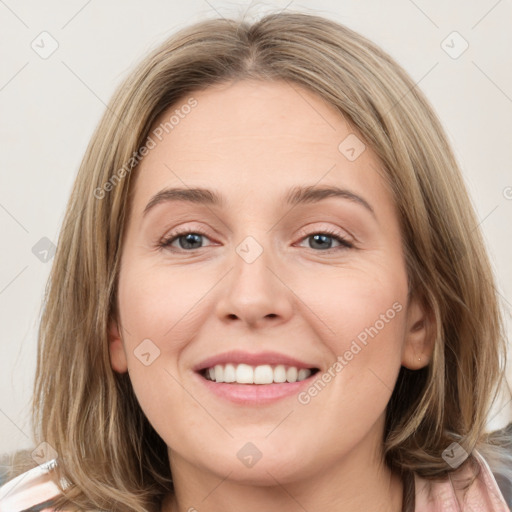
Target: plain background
50	106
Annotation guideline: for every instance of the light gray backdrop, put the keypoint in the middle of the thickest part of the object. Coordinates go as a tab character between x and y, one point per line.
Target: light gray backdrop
62	60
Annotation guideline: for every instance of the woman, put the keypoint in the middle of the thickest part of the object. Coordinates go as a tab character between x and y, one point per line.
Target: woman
267	370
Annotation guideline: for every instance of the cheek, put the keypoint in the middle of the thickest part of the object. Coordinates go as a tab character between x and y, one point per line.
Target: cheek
160	303
364	312
358	303
159	313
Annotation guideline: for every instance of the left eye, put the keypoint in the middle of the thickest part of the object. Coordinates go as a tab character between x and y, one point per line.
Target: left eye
190	240
320	239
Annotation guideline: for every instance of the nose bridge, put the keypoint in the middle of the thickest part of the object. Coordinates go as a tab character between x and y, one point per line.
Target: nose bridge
253	291
250	250
251	273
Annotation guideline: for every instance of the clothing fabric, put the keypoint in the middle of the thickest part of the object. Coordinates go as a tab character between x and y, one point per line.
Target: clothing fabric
483	495
34	490
31	491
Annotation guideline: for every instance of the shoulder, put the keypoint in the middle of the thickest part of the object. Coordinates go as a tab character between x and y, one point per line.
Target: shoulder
31	491
460	490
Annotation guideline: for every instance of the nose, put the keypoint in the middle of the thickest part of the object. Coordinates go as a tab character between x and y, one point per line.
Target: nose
255	292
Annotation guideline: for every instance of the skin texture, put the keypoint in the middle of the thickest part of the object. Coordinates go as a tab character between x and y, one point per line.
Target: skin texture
253	141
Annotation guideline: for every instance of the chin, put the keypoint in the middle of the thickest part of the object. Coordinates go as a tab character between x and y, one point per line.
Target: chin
261	463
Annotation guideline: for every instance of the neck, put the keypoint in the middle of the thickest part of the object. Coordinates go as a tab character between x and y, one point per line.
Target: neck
353	483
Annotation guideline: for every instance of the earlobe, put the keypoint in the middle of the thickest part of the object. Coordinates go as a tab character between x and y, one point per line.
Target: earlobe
116	349
419	336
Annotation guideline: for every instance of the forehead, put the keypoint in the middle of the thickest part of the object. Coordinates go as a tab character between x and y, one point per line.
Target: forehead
255	139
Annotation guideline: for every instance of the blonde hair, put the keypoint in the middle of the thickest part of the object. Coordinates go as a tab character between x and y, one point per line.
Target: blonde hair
108	451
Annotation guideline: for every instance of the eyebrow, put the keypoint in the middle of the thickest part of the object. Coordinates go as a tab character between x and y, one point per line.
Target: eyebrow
295	196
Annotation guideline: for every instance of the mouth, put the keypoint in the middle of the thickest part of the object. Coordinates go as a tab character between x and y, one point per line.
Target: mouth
265	374
254	379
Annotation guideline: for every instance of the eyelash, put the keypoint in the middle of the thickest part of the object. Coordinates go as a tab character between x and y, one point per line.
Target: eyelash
167	241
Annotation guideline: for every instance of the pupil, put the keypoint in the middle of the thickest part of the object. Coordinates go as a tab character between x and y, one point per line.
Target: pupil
321	238
189	240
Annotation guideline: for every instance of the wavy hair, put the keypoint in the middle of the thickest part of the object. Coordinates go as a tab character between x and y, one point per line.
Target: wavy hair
108	452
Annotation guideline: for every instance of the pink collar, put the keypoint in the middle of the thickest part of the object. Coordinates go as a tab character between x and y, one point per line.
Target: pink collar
484	495
443	496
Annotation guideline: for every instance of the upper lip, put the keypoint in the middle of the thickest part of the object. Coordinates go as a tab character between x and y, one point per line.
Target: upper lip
252	359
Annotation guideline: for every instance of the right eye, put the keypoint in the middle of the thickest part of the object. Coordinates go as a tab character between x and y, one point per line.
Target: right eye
185	238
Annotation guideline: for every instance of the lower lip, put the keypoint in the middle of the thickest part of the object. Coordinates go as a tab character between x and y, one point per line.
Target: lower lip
255	394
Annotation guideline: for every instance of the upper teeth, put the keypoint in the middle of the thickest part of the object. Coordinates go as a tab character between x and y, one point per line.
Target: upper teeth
264	374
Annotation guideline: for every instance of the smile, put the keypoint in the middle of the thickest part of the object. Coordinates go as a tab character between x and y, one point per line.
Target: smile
261	374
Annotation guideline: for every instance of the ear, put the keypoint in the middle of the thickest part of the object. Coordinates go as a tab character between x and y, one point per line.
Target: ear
116	349
419	335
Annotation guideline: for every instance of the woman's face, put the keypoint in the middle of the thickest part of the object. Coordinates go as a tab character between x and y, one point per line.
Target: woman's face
271	279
